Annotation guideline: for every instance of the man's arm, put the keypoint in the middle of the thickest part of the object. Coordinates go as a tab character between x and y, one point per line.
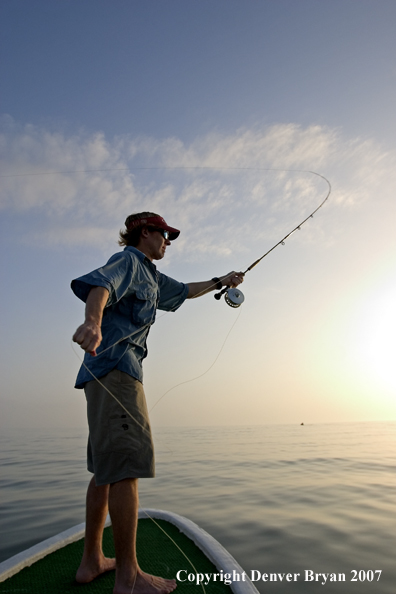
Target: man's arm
232	279
89	334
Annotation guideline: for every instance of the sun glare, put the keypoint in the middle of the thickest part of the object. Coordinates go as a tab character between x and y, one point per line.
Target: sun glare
376	347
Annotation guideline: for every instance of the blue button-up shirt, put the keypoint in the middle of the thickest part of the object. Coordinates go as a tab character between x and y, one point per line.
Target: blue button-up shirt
136	291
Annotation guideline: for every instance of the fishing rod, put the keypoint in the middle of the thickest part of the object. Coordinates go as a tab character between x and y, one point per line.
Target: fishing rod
233	296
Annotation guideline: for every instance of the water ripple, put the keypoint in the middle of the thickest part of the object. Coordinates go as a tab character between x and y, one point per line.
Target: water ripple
280	498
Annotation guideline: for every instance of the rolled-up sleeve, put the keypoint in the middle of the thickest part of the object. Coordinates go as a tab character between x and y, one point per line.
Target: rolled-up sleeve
116	276
172	293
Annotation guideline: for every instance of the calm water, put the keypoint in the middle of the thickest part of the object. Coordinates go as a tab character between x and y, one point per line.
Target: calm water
279	498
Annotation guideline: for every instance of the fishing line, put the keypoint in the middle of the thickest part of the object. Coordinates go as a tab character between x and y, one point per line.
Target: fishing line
234	297
202	374
176	545
163	168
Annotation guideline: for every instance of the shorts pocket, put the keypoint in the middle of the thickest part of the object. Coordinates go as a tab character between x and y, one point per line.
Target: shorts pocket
124	437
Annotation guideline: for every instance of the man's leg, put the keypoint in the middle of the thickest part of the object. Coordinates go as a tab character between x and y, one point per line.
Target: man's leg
94	562
124	505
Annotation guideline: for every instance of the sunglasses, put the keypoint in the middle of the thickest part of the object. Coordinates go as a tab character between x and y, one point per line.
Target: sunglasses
164	232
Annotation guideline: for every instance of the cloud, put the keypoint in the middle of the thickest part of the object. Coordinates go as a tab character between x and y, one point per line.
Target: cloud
220	189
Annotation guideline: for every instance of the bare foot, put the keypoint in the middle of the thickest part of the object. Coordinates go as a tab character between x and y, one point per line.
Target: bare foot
88	571
145	584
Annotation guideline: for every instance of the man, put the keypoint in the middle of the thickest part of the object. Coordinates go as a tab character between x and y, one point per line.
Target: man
121	301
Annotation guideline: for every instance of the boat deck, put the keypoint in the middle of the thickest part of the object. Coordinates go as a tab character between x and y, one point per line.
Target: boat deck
54	574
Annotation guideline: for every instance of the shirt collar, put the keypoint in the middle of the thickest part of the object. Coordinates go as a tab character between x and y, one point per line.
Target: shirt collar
140	255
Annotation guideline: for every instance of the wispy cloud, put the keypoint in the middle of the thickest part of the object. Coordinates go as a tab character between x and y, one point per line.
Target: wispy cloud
229	199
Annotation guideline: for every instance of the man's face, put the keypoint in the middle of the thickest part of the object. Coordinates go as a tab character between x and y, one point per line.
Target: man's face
154	243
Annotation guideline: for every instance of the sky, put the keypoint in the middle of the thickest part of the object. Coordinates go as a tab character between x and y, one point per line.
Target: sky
217	115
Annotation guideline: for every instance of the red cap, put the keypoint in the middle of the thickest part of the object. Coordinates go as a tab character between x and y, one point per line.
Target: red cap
155	222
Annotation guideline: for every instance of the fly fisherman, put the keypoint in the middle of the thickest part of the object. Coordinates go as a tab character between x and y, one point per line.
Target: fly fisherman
121	302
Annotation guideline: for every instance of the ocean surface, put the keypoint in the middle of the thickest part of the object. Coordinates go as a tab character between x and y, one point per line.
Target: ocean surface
280	498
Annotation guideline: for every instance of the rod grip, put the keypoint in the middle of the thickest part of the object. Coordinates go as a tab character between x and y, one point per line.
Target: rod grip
218	295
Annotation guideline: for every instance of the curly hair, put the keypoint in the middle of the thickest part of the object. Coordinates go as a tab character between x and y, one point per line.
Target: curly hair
132	236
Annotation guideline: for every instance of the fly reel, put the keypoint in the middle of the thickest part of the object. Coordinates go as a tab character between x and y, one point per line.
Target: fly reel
233	297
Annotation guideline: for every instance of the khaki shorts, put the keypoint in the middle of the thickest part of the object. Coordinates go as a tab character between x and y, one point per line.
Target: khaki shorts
119	446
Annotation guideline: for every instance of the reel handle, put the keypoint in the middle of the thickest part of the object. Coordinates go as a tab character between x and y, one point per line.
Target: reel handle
219	295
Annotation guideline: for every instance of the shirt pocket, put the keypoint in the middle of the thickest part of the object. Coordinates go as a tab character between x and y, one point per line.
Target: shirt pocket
144	306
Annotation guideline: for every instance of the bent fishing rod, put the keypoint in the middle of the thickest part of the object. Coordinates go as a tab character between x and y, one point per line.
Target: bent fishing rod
233	296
